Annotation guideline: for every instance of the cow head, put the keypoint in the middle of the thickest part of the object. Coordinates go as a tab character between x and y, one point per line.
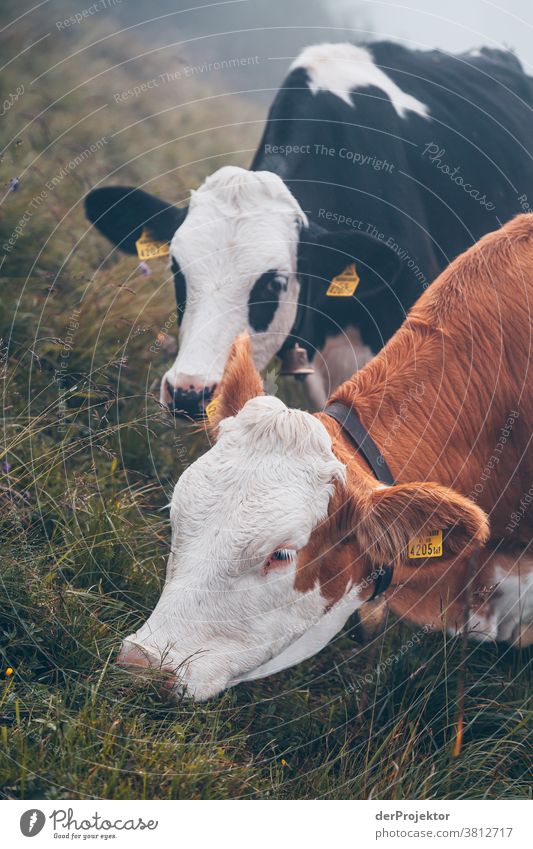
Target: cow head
236	255
274	542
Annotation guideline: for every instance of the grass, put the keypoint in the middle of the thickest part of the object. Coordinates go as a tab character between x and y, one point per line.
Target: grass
89	459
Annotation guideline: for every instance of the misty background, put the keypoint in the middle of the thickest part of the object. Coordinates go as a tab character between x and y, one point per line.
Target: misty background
275	30
76	71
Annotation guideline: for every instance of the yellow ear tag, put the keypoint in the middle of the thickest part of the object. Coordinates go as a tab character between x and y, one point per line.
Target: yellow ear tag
211	408
344	284
147	248
425	546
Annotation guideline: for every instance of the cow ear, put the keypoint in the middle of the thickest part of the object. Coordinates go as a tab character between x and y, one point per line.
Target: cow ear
386	520
240	382
324	256
121	213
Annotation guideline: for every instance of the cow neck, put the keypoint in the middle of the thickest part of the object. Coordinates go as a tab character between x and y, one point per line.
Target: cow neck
351	424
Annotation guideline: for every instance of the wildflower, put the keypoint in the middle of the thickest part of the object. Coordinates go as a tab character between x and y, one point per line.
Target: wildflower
9	671
144	268
6	467
14	184
284	762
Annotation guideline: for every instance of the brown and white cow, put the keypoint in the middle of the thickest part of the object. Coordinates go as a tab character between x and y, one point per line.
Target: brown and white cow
278	530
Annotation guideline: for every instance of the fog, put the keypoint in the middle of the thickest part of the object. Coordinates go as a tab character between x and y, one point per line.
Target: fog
275	30
456	25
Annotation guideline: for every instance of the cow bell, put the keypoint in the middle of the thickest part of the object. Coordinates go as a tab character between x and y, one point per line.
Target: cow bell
295	362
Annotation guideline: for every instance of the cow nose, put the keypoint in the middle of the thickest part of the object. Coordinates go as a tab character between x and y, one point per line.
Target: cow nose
140	659
190	401
132	655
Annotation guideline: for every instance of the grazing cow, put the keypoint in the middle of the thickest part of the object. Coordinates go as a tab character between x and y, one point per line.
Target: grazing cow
280	531
393	159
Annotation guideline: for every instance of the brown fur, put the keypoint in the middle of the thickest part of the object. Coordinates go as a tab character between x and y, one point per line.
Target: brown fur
439	593
367	527
467	343
240	382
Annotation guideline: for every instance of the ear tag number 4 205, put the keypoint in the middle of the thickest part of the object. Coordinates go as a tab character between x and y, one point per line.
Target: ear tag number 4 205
425	546
344	284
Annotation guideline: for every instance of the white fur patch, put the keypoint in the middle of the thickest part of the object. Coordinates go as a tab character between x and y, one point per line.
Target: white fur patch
509	613
264	485
341	68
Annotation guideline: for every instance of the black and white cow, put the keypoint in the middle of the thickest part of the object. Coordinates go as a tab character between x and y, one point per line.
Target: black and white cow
391	158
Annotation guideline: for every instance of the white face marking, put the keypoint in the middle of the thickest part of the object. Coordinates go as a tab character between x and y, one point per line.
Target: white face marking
264	486
240	224
341	68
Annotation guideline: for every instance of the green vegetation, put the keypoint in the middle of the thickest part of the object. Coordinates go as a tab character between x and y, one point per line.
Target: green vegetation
89	459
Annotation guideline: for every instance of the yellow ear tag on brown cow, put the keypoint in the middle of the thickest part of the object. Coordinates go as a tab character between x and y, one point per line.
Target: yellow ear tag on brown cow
148	248
425	546
344	284
211	408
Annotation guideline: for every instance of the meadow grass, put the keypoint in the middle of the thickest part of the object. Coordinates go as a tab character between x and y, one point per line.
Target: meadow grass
89	460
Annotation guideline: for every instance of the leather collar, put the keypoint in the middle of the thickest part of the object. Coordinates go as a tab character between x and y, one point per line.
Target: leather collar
352	424
382	581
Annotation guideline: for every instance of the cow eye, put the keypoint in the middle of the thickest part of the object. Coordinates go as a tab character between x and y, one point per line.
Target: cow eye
282	554
279	558
276	284
179	287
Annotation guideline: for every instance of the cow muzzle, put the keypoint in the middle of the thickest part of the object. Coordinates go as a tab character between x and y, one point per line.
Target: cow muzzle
171	679
188	400
140	660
